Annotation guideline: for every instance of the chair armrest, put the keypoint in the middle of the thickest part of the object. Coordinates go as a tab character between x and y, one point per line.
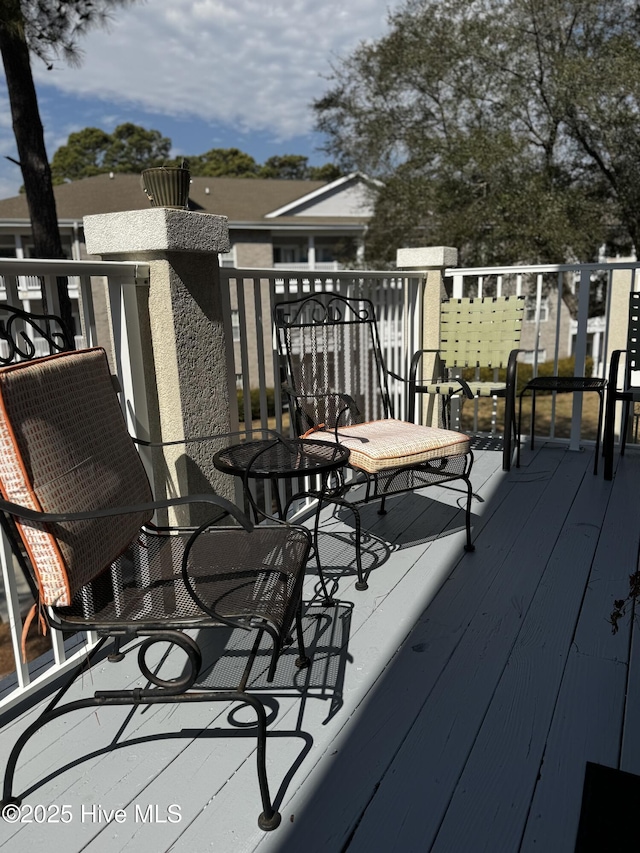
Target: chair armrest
220	436
305	421
614	366
512	365
415	388
18	511
415	361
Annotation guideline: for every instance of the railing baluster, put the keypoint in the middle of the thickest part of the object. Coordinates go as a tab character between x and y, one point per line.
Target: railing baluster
580	355
13	609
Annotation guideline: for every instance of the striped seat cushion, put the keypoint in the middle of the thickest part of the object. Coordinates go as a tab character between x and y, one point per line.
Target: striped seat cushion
380	445
64	447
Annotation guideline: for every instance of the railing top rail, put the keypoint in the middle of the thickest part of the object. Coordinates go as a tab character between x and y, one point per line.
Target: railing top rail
44	266
542	268
292	272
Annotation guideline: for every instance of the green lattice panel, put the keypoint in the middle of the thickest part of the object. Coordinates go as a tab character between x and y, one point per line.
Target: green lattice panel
480	332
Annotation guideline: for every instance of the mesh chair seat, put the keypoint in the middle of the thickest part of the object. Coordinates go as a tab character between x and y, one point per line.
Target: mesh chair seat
239	575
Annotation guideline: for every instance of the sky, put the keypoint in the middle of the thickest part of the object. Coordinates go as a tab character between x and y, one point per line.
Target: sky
206	73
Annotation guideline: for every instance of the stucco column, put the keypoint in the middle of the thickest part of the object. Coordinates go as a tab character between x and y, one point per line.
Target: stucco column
432	262
182	332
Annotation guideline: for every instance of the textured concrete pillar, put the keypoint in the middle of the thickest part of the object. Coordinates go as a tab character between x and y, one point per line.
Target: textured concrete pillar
432	261
183	341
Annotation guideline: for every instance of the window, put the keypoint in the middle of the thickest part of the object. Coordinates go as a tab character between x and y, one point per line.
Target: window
292	253
527	357
235	324
530	309
227	259
340	249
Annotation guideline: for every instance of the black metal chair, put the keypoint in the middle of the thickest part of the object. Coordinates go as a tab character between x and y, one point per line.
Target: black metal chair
337	384
625	390
78	509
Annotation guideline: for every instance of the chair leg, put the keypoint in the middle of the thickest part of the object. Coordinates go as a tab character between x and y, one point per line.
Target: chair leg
270	818
49	714
446	411
361	583
608	434
469	546
519	430
600	409
302	661
117	655
626	408
513	428
533	417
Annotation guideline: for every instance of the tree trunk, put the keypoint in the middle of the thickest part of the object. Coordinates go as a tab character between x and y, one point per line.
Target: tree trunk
32	154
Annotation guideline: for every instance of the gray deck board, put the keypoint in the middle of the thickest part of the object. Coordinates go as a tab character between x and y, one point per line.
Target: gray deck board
463	694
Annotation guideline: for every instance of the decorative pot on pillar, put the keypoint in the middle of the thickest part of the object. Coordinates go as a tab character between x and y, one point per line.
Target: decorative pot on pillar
167	186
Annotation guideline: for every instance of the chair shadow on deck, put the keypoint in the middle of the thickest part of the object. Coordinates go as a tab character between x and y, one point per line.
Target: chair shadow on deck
486	441
326	633
420	520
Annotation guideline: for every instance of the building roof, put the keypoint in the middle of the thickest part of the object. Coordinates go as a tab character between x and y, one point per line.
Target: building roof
242	200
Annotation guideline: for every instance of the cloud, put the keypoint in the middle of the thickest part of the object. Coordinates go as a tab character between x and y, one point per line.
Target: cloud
254	64
223	73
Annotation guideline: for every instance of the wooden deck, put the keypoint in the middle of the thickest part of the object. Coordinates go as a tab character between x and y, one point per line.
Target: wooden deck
451	707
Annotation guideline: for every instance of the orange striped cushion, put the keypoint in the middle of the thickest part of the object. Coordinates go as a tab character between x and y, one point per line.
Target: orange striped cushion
64	447
380	445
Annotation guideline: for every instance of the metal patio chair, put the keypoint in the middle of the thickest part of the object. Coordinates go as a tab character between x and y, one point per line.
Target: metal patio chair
337	384
625	389
78	509
475	333
24	335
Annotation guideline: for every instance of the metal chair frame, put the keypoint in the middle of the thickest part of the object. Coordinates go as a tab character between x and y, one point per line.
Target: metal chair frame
334	375
626	392
19	329
475	333
168	581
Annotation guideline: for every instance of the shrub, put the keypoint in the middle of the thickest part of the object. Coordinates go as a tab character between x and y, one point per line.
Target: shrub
255	403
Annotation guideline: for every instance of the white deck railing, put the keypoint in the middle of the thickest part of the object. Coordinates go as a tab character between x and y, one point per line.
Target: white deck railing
248	297
252	294
551	282
18	280
546	287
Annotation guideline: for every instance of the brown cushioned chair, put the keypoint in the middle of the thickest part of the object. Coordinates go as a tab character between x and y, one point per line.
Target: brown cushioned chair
76	493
